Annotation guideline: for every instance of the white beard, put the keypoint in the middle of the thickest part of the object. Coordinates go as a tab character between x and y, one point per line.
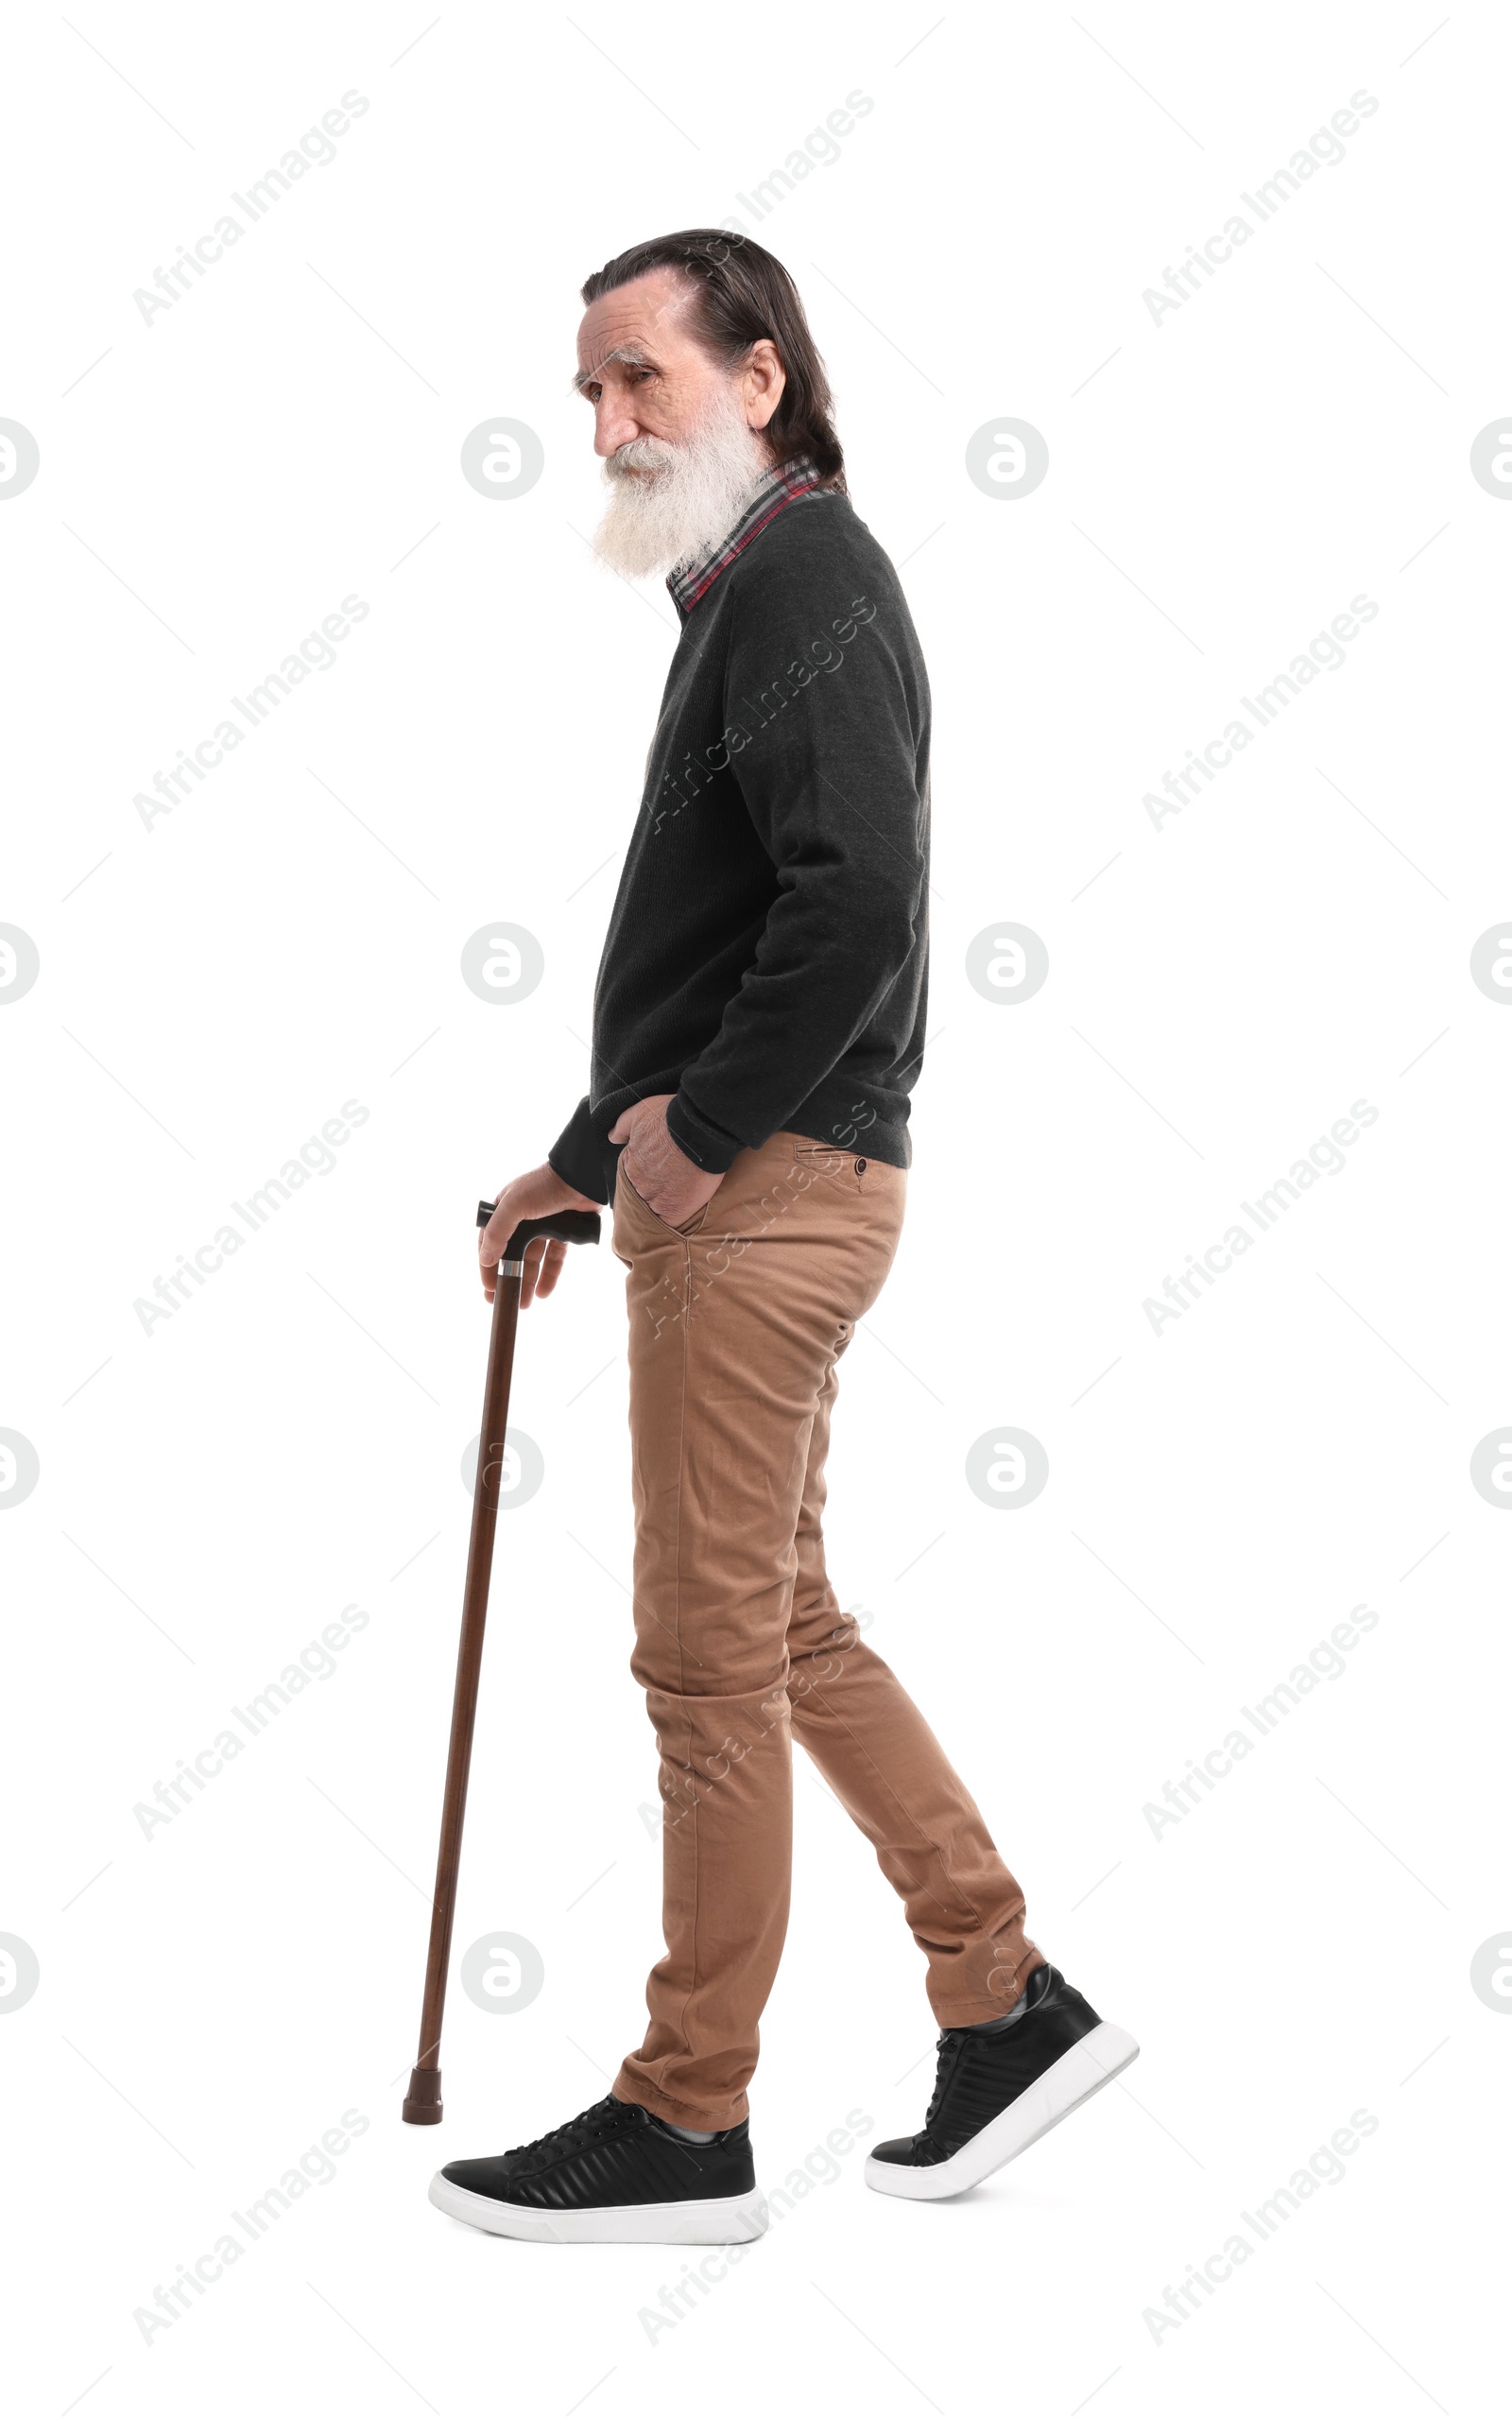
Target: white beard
667	502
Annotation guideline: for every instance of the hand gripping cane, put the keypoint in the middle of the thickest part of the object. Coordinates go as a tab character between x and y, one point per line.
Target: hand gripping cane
423	2102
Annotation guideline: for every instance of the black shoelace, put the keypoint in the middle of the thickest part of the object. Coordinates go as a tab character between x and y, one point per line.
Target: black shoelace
950	2044
573	2134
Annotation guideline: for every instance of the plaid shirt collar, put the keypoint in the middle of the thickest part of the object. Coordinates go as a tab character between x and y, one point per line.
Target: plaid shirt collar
690	579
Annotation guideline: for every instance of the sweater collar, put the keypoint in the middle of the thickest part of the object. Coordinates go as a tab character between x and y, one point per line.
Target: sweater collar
777	489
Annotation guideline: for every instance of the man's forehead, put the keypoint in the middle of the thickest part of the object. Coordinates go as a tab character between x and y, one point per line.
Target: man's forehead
633	320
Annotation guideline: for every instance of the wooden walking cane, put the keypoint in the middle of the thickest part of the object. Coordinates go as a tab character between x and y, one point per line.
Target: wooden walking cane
423	2102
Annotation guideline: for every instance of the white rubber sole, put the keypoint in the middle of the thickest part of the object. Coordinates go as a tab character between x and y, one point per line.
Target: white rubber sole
1068	2082
700	2221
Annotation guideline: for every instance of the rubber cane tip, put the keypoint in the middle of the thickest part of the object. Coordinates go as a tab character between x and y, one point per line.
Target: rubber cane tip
423	2105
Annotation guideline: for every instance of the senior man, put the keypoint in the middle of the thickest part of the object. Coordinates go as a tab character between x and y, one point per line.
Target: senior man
758	1025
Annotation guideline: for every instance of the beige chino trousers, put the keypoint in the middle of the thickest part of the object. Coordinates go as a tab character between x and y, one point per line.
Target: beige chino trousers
736	1324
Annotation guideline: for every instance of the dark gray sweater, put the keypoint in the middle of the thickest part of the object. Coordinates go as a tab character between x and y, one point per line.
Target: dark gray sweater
766	959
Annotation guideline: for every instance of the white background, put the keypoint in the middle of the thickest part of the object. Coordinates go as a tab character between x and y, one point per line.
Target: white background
212	988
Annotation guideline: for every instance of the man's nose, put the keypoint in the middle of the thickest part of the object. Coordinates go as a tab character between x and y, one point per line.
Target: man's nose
615	426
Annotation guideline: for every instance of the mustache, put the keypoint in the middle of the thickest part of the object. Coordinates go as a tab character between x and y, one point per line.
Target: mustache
640	456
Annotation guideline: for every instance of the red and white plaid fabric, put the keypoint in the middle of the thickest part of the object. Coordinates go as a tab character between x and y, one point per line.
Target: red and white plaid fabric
776	490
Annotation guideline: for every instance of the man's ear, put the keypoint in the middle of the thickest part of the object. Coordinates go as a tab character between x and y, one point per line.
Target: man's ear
765	380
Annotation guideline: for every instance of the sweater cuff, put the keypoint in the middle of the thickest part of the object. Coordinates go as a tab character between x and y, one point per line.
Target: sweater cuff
697	1138
578	1155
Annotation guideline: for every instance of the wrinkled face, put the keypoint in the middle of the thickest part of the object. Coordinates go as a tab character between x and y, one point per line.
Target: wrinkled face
680	437
648	378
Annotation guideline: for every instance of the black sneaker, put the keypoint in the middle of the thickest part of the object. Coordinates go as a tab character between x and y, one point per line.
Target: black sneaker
997	2089
616	2172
